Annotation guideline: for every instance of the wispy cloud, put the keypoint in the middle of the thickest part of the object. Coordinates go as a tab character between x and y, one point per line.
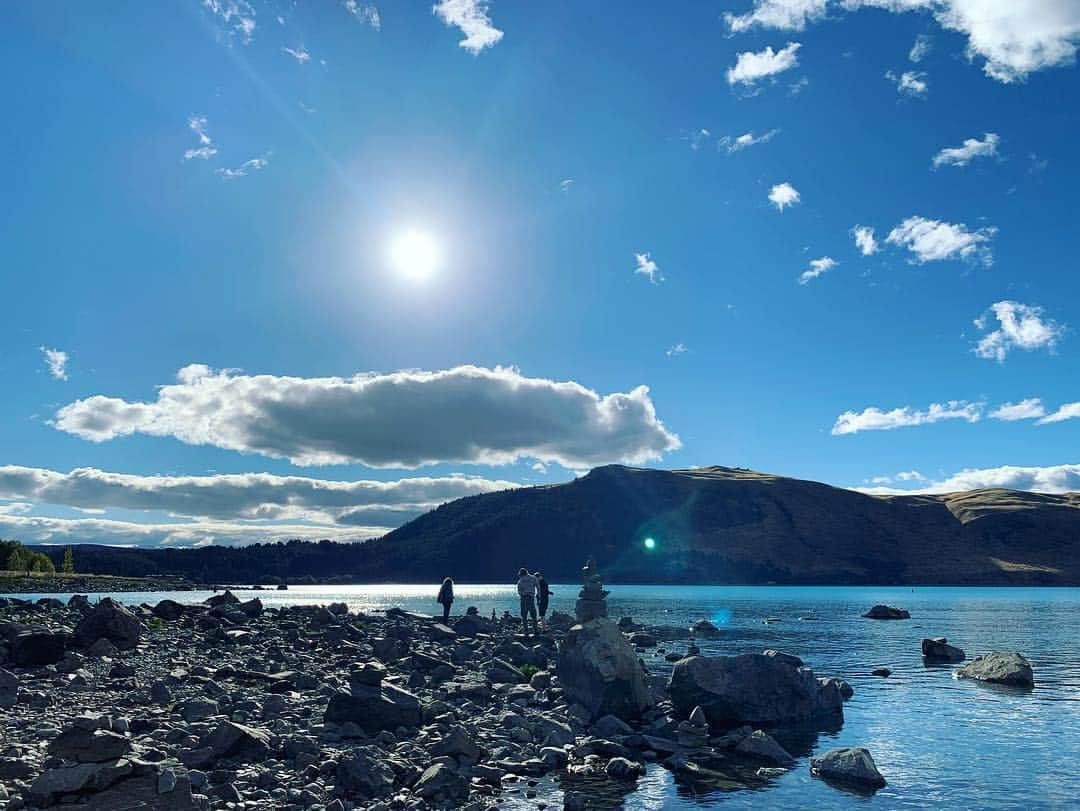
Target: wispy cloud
876	419
1020	326
205	150
300	54
864	240
56	361
237	15
471	16
678	349
972	148
817	268
750	67
244	168
784	195
910	83
921	48
566	185
364	12
746	140
933	241
1030	409
647	267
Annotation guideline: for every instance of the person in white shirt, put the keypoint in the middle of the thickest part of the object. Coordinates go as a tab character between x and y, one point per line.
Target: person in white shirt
527	588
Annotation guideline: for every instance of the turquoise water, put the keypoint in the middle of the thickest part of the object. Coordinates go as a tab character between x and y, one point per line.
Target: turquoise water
938	741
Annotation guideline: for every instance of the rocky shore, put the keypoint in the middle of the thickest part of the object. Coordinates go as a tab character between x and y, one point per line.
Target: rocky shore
57	583
227	704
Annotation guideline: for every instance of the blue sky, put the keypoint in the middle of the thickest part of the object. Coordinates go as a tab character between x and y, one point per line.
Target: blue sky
615	199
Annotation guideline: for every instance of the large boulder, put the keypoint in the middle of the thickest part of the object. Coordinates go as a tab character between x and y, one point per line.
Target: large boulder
852	765
231	740
375	708
440	784
999	667
83	777
168	610
37	648
752	688
887	612
109	620
599	670
938	649
9	688
364	775
89	745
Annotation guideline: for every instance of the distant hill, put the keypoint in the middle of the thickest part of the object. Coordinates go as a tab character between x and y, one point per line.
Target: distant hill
709	525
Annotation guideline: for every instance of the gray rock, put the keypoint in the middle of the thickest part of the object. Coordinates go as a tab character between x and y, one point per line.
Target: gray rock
440	783
761	745
619	768
54	783
704	629
368	777
848	765
109	620
168	610
37	648
232	740
751	688
787	658
375	708
89	746
939	650
999	667
457	743
609	727
599	670
887	612
9	688
199	709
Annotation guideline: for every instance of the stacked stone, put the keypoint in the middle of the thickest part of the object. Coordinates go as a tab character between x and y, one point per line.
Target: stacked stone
693	733
591	602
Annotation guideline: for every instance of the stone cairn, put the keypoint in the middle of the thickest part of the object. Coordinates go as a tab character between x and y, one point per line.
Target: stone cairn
591	602
693	733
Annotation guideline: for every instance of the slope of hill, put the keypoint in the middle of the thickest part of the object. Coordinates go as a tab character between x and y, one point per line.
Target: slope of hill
708	525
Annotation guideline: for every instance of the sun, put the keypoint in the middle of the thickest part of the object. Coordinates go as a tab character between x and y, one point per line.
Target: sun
415	254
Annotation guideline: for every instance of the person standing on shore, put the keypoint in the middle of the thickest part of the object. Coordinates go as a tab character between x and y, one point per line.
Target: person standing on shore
446	597
527	587
543	594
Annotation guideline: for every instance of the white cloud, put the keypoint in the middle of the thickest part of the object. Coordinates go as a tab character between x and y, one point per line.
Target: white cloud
817	268
300	54
238	16
751	67
244	496
566	185
921	48
911	83
745	140
244	168
1054	479
1069	411
404	419
647	267
365	13
205	151
1014	38
787	15
874	419
1029	409
933	240
471	16
1020	326
864	240
910	476
56	361
972	148
783	195
677	349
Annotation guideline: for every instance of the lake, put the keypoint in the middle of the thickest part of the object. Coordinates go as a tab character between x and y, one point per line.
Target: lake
938	741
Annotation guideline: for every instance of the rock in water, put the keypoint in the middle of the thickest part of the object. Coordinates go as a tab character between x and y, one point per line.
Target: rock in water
999	667
109	620
847	765
599	670
887	612
763	746
752	688
375	708
939	650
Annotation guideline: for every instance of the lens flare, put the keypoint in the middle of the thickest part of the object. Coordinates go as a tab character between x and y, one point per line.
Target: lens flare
650	543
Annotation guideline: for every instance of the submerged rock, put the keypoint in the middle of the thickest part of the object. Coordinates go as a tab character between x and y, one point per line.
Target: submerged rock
887	612
752	688
939	650
599	670
759	744
853	765
999	667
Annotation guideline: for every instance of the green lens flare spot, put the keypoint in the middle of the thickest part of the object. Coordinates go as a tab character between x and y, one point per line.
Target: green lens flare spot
650	544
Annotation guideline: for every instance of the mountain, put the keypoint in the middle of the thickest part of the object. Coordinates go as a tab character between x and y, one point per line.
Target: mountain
707	525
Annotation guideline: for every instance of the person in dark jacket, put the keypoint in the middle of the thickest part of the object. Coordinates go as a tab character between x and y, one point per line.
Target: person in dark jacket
543	594
446	597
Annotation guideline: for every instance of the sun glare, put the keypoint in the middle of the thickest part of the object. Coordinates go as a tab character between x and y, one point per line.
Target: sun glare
414	255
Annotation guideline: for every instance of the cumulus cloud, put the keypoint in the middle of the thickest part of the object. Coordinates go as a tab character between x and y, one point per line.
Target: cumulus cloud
911	83
471	16
1020	326
751	67
875	419
238	16
746	140
920	49
647	267
972	148
404	419
1013	38
205	150
864	240
1069	411
817	267
244	168
365	13
783	195
1054	479
244	496
1029	409
933	240
56	361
